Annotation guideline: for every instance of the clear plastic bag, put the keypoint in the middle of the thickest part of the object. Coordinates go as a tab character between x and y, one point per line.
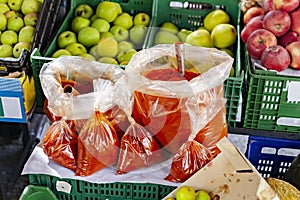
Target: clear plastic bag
98	142
138	148
60	143
68	85
161	95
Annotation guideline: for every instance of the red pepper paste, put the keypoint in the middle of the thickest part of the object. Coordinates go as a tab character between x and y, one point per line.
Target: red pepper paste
165	117
60	144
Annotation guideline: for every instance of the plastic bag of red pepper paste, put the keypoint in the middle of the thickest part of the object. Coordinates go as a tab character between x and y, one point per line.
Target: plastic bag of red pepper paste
138	149
98	143
60	143
193	155
215	130
161	93
68	85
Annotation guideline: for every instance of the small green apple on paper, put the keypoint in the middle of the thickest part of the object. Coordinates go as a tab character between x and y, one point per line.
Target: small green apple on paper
186	192
107	33
18	19
216	32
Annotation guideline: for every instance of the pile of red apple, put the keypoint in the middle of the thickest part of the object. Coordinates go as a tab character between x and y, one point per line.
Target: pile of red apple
272	34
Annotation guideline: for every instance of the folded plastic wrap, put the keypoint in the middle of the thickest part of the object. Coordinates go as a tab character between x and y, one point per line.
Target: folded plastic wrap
68	85
162	95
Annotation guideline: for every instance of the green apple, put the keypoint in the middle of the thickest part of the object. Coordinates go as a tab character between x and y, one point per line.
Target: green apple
124	56
170	27
141	19
199	38
94	17
13	13
214	18
202	195
223	35
202	27
138	33
183	33
9	37
107	47
61	52
123	20
6	50
101	25
106	35
3	1
15	4
119	8
88	36
165	37
76	49
17	49
93	52
29	6
65	38
108	60
15	23
4	8
87	56
3	22
185	193
120	33
31	19
228	51
84	10
79	23
26	34
124	45
107	10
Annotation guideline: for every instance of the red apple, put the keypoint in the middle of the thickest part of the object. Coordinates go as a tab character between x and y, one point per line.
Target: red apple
286	5
289	37
295	22
294	50
268	5
275	58
252	12
254	24
258	41
277	21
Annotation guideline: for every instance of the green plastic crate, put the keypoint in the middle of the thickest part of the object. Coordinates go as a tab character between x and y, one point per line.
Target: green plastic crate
267	101
106	191
37	59
190	15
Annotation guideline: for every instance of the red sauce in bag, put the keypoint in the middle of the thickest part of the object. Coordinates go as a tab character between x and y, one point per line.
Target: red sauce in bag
215	130
166	118
118	119
139	149
189	158
60	144
97	145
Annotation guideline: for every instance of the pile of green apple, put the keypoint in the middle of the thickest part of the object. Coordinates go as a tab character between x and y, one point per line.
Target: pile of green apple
105	33
18	19
186	192
216	32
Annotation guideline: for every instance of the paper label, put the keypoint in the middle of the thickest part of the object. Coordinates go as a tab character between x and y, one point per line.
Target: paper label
293	91
63	186
10	107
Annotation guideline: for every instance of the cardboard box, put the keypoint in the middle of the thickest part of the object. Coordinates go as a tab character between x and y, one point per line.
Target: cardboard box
230	176
17	98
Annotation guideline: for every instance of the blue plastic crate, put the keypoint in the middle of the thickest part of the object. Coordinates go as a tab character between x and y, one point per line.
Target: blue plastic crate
272	157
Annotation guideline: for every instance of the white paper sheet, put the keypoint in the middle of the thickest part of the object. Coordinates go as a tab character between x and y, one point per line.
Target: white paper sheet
39	163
